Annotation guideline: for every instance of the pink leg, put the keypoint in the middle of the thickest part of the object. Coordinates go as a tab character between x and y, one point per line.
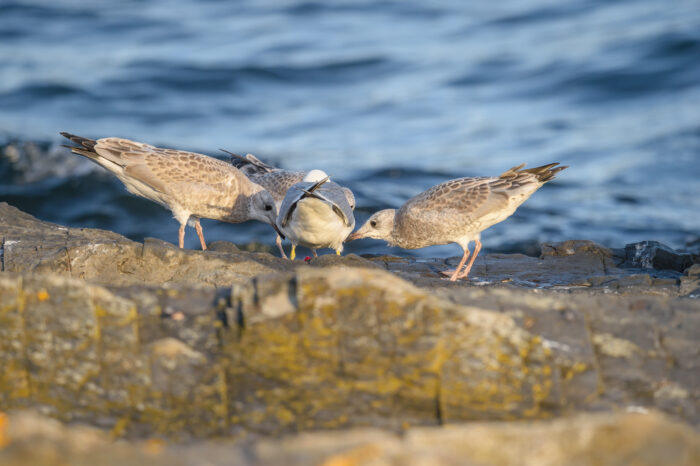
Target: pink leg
278	241
200	233
181	236
453	275
477	248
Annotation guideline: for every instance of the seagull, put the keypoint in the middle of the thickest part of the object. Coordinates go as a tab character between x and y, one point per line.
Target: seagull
277	181
315	213
456	211
191	185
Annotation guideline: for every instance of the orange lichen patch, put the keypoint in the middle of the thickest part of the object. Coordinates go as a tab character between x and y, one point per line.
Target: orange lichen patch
354	457
42	295
154	446
4	440
528	322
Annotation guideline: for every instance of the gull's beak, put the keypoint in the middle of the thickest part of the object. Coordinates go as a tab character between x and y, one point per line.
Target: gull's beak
274	225
354	236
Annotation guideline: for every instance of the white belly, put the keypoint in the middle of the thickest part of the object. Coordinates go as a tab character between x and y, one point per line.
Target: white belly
315	225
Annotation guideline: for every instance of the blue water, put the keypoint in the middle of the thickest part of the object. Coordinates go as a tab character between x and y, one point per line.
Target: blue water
389	97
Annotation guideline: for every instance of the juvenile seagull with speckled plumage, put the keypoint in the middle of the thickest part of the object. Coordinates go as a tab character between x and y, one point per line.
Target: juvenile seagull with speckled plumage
278	181
456	211
191	185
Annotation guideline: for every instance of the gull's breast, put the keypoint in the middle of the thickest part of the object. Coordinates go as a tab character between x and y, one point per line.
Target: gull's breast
315	225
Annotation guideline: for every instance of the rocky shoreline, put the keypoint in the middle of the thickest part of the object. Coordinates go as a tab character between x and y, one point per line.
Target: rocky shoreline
144	340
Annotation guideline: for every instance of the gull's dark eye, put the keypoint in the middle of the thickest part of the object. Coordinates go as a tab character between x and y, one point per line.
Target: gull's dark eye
373	223
268	207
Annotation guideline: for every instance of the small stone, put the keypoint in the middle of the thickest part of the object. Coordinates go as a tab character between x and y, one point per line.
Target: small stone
654	255
576	246
693	271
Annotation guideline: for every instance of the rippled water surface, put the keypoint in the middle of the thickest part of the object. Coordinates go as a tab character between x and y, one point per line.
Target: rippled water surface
389	97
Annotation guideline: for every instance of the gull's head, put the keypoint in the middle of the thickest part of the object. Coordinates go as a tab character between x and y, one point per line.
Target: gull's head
379	226
315	175
263	207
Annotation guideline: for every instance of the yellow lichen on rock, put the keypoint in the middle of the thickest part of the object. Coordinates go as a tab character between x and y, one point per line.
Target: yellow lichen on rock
4	439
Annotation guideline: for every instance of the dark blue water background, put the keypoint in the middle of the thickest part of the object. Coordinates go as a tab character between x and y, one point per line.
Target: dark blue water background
389	97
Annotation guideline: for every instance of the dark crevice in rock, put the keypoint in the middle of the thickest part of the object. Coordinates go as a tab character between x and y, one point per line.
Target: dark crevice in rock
222	302
70	266
256	292
292	292
240	318
438	404
2	254
604	263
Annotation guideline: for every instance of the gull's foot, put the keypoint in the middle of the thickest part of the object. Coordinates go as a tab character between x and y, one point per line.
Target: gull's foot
451	275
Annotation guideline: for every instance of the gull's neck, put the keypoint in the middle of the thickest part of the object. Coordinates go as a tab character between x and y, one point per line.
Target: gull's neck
391	235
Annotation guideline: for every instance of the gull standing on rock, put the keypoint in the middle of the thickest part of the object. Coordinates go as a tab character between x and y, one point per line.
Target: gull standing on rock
316	214
456	211
277	181
191	185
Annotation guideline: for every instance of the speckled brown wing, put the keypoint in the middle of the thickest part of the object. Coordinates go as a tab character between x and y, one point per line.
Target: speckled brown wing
474	197
463	195
212	186
278	182
162	168
462	207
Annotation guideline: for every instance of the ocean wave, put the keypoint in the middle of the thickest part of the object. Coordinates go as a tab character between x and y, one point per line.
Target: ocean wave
389	97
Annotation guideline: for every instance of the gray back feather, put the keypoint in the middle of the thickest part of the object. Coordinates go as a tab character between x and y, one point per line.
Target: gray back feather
250	164
329	192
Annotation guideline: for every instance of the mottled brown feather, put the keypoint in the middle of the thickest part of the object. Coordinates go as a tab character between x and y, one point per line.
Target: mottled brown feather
463	207
186	182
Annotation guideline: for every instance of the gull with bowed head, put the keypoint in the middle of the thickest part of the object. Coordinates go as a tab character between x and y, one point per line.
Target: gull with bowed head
456	211
190	185
315	213
278	181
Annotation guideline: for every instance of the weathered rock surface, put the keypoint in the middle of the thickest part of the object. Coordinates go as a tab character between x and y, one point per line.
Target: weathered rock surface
601	439
654	255
99	256
103	257
146	339
319	348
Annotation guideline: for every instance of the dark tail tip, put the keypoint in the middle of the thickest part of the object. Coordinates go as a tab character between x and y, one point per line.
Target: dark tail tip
84	143
546	172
